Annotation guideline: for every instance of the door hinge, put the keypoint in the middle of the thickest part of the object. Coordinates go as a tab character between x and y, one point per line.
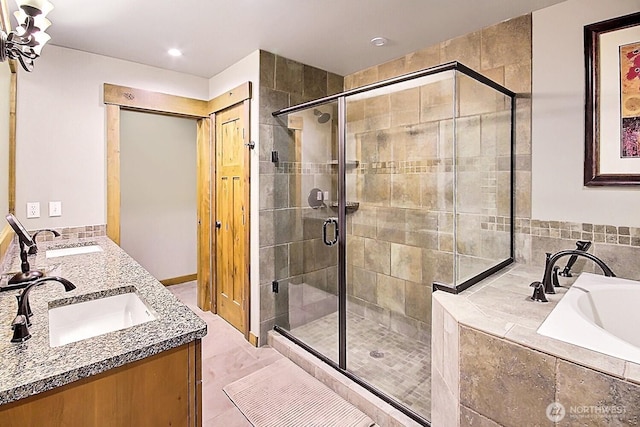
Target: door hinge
275	287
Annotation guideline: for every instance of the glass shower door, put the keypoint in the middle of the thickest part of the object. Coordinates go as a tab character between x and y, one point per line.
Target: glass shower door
306	178
399	137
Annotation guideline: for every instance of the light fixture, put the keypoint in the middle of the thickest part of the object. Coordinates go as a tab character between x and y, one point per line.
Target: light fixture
26	42
379	41
174	52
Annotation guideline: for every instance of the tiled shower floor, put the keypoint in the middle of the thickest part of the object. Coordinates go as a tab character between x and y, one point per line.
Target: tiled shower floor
404	372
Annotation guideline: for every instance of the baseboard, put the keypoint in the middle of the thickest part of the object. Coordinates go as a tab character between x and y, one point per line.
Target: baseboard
253	339
178	280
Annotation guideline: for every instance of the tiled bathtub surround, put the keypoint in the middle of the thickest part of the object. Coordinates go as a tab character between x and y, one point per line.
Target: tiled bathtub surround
485	341
34	367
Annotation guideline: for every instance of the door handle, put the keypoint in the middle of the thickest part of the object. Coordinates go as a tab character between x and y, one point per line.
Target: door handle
218	224
328	221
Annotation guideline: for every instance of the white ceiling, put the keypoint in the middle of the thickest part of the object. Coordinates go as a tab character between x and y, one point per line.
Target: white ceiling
214	34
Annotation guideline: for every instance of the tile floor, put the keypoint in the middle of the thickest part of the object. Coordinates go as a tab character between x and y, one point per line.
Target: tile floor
226	357
401	367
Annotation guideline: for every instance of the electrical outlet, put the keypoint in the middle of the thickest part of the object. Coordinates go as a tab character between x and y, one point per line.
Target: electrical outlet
33	209
55	208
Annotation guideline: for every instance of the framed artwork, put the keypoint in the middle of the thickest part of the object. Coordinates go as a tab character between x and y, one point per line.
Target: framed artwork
612	108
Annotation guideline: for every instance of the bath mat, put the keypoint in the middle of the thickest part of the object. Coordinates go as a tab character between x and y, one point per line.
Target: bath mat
283	394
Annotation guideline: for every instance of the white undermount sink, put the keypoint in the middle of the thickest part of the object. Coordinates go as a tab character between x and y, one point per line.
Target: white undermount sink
75	250
79	321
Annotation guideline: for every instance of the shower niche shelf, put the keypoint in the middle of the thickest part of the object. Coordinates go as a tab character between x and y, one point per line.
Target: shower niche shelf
351	206
349	163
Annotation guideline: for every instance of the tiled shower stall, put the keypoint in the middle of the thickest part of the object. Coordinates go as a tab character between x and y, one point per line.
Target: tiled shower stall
377	194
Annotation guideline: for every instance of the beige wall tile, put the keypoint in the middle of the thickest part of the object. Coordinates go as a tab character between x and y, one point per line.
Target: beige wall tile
418	301
421	141
377	189
470	189
355	251
267	69
289	75
523	194
406	262
364	284
464	49
621	259
508	42
424	58
391	224
377	106
445	242
468	136
436	101
445	409
517	77
391	69
405	107
508	383
477	98
495	74
523	126
405	190
335	84
451	342
364	221
364	77
582	387
446	135
377	256
469	418
391	293
314	82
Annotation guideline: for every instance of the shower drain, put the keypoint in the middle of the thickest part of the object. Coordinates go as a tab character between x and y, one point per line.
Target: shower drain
376	354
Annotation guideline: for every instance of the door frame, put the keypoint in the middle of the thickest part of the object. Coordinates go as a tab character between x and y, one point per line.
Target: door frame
116	98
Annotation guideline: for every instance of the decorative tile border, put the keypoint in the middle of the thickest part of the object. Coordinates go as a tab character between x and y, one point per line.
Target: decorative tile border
597	233
67	233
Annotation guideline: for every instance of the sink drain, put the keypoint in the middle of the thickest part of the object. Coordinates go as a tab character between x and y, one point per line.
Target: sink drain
376	354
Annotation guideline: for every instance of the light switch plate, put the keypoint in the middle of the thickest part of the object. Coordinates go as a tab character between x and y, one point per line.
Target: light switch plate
55	208
33	209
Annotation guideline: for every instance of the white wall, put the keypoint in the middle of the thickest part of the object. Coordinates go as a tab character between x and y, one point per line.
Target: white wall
61	130
558	119
248	69
158	207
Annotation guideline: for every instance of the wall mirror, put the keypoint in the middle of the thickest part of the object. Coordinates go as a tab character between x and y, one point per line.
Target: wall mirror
8	86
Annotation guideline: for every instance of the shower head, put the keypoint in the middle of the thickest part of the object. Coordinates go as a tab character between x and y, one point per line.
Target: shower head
322	117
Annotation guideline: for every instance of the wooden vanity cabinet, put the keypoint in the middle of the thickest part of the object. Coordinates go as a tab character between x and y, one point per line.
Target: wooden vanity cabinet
160	390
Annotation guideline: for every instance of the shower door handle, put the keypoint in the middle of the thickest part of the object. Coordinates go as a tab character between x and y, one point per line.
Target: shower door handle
328	221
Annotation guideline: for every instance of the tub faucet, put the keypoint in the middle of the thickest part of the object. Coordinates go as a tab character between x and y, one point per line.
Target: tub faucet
547	280
33	249
21	323
581	245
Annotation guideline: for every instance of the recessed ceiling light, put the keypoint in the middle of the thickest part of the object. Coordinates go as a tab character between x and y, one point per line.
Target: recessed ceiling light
174	52
379	41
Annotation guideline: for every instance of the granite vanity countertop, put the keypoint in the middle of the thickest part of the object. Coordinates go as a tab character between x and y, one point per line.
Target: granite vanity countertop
501	306
33	366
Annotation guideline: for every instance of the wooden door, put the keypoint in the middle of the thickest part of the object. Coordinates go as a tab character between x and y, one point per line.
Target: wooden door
232	217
